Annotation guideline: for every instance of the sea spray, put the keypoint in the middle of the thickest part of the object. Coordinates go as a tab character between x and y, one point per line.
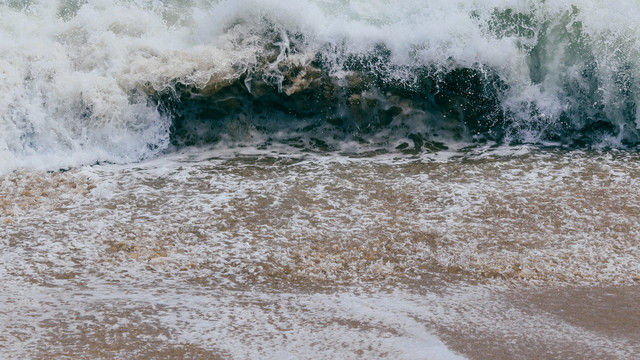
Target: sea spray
95	81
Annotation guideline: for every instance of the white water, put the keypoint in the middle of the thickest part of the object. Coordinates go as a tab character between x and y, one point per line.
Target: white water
496	254
73	73
283	254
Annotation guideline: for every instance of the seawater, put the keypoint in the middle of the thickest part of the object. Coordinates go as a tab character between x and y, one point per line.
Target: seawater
96	81
319	179
499	253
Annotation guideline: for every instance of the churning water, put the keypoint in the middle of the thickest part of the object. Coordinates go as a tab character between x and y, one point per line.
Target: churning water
319	179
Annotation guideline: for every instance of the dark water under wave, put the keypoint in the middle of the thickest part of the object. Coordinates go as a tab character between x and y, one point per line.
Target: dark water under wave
311	107
318	94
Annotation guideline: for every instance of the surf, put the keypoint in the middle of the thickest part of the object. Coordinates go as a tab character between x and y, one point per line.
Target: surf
99	81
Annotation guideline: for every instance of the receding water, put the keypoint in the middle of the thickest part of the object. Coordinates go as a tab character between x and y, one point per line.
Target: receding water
504	253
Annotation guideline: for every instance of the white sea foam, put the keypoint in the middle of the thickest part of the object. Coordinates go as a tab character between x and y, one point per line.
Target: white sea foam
73	73
278	253
302	255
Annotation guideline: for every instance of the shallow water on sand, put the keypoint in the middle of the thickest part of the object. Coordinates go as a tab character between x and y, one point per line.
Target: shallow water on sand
481	254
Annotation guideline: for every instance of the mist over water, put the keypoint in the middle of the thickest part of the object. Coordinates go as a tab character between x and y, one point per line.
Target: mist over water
120	81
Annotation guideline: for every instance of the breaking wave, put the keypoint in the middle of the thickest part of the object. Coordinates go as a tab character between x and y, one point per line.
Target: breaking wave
119	81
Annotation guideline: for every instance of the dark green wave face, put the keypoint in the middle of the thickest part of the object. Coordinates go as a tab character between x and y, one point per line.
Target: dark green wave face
124	80
308	106
539	75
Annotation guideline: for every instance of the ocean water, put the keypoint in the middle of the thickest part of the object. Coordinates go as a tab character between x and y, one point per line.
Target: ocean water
278	179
